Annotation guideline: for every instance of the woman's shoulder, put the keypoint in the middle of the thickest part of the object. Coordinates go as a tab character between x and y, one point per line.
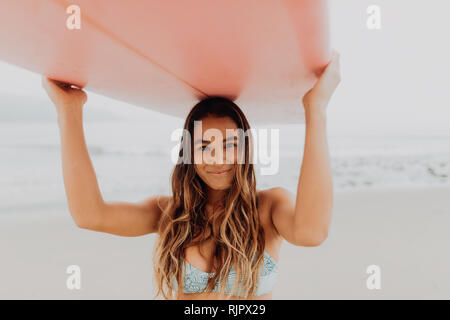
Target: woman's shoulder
163	201
273	195
266	197
273	198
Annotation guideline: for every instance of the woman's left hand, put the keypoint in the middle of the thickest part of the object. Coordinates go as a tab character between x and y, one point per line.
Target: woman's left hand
318	97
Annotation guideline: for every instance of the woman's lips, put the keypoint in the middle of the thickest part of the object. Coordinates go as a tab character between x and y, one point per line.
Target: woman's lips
220	173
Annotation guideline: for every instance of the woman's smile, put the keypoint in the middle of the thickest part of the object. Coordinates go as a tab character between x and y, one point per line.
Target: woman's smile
219	173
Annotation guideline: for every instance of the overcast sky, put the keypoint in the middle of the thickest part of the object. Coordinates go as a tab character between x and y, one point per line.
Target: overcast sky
394	79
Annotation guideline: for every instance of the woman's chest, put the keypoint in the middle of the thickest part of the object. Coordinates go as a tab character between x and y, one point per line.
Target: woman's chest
202	256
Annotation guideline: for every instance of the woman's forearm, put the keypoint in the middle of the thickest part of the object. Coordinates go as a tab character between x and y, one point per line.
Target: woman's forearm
314	200
80	182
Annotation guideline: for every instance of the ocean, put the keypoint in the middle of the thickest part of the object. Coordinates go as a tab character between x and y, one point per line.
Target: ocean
132	162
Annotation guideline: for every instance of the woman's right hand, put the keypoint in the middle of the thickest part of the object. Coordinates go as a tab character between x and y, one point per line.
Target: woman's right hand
64	97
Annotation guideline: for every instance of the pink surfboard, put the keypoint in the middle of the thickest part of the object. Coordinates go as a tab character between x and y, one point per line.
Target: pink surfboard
167	55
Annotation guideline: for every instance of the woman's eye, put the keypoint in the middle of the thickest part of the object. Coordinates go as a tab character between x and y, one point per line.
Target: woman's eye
228	145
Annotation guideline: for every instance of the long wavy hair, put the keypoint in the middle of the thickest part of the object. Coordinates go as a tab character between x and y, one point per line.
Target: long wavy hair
234	226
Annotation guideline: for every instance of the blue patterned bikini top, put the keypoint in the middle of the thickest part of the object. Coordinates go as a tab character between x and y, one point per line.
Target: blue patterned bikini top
196	280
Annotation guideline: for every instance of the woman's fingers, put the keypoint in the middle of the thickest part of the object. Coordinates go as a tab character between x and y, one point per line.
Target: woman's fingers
322	91
54	84
46	83
61	84
50	86
334	64
62	94
332	71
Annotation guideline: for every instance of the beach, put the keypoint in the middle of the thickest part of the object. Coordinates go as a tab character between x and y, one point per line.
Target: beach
391	209
402	230
388	137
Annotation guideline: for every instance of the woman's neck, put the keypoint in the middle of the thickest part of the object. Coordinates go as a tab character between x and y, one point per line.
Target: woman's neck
214	197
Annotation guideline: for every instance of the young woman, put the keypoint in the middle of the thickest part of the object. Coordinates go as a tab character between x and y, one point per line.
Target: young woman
218	237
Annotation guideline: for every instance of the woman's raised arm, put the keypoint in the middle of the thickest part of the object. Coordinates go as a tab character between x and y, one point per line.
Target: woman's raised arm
306	221
85	201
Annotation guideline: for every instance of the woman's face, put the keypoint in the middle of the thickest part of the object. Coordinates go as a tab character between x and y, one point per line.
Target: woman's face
215	151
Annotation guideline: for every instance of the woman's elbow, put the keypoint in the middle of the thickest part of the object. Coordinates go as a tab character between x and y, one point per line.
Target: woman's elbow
85	222
320	238
311	239
82	224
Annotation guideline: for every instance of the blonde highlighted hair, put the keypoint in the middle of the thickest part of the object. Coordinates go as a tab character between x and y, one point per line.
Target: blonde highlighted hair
234	225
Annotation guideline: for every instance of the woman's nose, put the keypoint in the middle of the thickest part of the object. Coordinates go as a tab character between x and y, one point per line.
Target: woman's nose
219	156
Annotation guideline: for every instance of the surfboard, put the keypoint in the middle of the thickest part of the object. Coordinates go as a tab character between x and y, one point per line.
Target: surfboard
168	55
